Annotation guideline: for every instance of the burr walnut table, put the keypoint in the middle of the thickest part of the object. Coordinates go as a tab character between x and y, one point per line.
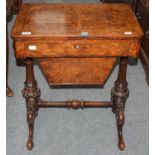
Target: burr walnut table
76	45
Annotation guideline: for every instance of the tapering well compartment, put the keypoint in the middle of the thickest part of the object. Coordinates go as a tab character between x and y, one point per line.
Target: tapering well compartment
76	71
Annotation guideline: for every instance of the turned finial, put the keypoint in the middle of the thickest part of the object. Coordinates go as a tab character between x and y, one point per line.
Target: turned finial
75	104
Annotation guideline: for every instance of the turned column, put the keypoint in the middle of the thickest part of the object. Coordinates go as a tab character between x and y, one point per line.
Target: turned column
32	94
119	95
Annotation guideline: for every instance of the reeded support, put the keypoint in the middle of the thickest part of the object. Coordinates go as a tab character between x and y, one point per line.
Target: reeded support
74	104
32	94
119	95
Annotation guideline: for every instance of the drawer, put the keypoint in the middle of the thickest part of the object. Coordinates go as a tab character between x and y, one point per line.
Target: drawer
76	48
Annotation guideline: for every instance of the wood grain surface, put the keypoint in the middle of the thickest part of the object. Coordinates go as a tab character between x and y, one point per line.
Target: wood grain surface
70	20
76	71
77	48
76	44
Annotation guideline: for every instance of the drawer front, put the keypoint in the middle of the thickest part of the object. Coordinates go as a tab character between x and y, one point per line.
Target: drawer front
77	48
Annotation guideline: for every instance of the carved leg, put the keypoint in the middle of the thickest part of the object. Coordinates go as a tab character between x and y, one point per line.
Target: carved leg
32	94
119	95
9	92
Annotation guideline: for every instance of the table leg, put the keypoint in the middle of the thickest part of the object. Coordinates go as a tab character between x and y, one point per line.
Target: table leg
119	95
32	94
9	92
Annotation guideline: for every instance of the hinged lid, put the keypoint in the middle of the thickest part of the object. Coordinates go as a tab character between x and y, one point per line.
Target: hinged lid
61	21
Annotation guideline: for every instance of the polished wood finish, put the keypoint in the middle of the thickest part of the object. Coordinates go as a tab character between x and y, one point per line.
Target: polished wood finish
76	44
75	104
32	94
132	3
76	71
72	22
11	7
119	95
78	48
141	9
108	36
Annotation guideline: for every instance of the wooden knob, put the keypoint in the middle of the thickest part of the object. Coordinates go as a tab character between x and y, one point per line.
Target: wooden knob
77	46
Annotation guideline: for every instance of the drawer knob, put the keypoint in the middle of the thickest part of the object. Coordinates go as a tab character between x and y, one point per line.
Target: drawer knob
77	46
32	47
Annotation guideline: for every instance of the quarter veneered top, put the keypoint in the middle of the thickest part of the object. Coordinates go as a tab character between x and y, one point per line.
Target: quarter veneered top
64	20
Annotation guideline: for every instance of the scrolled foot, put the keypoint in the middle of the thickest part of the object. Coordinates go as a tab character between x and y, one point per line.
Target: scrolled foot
120	123
30	118
121	144
30	144
9	92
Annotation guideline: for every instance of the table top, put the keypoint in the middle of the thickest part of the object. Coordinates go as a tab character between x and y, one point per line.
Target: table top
68	20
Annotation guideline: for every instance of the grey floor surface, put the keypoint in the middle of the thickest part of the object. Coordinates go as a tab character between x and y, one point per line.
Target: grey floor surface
77	132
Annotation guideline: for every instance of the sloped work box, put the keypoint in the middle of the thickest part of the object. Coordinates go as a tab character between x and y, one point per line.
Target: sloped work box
76	71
